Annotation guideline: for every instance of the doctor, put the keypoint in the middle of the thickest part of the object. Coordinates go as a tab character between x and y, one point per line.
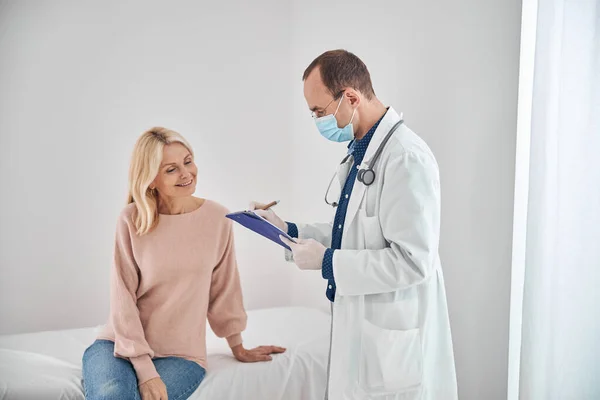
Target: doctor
390	336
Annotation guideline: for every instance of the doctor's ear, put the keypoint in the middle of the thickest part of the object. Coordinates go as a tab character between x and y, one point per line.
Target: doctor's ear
353	97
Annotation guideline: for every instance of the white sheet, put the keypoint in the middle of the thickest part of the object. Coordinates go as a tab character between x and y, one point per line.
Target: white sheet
47	365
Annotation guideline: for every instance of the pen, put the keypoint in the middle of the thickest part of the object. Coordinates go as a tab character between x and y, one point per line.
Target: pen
267	206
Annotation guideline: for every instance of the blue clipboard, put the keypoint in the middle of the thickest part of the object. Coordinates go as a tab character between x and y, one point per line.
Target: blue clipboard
261	226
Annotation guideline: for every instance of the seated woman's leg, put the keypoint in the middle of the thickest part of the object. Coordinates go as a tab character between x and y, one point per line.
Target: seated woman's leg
107	377
181	377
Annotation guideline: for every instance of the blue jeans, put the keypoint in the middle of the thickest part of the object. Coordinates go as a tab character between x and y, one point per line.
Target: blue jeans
108	377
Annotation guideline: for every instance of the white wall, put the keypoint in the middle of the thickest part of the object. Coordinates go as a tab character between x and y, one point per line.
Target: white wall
80	82
229	78
452	68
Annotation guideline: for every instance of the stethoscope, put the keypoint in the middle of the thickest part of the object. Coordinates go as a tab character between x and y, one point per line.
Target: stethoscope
366	174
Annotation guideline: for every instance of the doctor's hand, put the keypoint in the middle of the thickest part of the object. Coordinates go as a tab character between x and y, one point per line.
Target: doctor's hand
308	253
260	353
269	215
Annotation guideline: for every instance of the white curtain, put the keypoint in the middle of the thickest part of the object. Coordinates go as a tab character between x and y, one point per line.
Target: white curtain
560	342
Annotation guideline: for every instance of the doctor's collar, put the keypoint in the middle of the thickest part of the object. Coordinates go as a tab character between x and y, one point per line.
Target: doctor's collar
351	146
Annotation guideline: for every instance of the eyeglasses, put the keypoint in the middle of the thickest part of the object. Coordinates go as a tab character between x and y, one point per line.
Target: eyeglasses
321	113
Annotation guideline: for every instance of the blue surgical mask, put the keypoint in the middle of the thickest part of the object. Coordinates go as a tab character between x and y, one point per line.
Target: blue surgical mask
328	127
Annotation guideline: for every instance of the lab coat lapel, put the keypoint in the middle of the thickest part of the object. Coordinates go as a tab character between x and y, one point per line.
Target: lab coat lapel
358	190
343	171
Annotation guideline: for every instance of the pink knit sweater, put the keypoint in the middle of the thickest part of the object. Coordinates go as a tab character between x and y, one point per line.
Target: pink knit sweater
167	283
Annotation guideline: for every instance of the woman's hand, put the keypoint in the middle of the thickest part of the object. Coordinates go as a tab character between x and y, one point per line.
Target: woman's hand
257	354
154	389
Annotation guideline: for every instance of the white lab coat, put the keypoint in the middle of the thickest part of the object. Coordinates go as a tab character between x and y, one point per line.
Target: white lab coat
391	332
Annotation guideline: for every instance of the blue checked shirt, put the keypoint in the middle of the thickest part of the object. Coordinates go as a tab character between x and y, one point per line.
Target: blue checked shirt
357	148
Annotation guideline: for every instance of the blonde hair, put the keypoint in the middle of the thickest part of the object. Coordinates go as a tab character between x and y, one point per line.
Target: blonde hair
145	164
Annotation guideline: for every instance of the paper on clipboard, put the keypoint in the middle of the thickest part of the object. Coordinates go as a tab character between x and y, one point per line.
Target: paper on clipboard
258	224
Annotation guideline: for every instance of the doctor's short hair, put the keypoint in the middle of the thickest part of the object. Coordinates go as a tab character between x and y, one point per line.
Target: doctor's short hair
341	69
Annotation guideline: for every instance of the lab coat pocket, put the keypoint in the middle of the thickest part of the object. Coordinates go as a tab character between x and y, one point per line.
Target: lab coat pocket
373	235
391	360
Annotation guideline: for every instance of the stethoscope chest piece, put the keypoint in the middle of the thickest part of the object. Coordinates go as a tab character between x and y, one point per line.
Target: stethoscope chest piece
366	176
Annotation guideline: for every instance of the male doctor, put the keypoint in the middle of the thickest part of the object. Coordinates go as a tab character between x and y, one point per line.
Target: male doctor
390	335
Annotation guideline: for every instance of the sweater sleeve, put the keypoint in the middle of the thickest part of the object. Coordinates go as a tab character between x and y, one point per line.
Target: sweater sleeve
130	341
226	314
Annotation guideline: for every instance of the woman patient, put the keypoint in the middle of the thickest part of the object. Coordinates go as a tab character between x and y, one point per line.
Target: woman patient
174	268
